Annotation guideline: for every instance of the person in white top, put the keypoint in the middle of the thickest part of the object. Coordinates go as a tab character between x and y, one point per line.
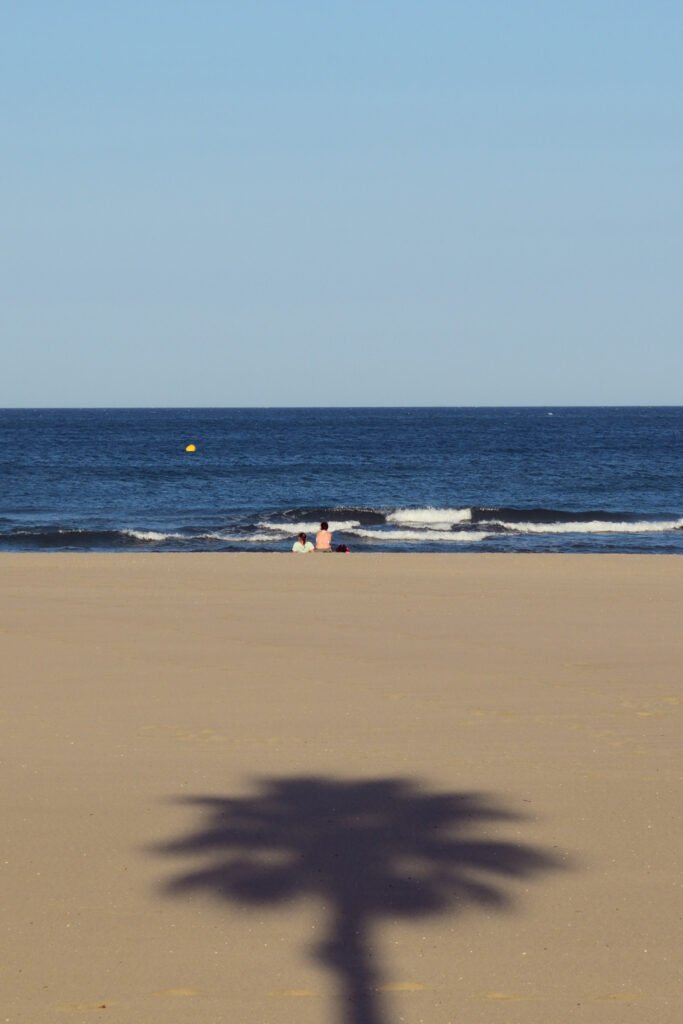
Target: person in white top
302	546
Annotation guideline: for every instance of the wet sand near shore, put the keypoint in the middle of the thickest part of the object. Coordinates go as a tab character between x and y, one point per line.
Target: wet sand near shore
369	790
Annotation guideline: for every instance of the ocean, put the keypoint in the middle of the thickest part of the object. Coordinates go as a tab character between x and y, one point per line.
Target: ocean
421	479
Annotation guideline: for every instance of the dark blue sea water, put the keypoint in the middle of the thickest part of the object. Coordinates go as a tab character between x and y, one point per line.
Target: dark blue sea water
556	479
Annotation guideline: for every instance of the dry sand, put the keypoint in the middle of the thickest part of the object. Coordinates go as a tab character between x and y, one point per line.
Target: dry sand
520	862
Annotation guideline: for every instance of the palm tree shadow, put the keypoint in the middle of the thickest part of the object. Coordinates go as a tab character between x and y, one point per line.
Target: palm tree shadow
369	849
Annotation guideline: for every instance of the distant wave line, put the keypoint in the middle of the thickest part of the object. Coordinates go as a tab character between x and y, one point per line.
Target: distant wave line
430	535
295	528
596	526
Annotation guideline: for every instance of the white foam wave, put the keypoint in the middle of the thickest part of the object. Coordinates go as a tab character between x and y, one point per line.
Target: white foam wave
430	518
245	538
151	535
595	526
450	536
292	529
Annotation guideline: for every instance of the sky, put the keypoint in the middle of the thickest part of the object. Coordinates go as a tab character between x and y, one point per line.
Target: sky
341	202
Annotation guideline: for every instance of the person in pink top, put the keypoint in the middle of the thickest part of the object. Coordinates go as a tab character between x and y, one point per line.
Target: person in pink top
323	538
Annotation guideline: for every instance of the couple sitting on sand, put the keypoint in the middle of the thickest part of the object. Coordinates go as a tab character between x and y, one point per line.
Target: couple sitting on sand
323	542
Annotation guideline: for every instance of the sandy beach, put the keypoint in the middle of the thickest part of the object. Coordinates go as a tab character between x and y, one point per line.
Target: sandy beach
372	789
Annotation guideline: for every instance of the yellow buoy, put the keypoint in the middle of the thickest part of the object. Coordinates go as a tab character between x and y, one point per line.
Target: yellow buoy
190	447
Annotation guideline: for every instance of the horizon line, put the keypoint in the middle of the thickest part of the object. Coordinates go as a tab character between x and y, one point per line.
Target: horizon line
262	408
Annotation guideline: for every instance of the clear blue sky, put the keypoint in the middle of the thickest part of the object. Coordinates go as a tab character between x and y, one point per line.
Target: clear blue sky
341	202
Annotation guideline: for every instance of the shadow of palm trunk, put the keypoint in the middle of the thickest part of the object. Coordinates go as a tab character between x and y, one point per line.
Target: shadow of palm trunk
349	954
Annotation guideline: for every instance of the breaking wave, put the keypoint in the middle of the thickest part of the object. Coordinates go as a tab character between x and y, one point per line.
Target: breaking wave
592	526
418	536
292	529
432	518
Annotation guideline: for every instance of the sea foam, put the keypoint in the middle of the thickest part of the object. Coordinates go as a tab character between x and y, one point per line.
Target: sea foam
151	535
423	536
293	529
595	526
430	518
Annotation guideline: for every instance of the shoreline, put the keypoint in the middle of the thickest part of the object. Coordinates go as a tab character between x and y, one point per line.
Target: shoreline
355	551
